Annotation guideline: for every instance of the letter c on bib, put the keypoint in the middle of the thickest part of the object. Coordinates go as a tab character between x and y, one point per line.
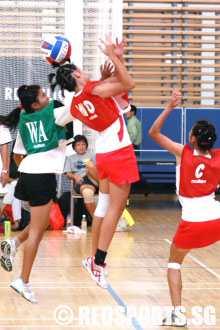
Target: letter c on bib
199	170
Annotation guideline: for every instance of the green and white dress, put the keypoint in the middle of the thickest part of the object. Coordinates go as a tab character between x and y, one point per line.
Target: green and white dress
41	137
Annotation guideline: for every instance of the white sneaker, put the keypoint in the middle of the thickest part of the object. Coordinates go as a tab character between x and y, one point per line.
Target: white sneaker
105	270
87	265
8	249
96	271
122	224
25	289
175	321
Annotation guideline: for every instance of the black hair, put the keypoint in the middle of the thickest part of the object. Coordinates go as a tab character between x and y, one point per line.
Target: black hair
205	134
133	109
79	138
27	96
63	78
1	119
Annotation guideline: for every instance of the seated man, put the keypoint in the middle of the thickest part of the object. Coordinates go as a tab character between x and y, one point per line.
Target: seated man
81	168
134	129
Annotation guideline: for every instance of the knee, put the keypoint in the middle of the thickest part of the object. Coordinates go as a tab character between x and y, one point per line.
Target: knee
90	166
103	205
88	195
174	265
36	235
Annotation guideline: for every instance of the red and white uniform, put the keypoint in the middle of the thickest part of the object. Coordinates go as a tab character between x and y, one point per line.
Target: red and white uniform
94	111
197	179
113	146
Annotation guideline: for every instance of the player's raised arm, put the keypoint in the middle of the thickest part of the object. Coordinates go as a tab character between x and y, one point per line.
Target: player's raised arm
124	81
155	131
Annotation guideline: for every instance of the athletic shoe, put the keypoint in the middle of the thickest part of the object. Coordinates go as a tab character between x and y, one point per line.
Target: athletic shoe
8	249
122	225
25	290
88	265
105	270
175	320
96	271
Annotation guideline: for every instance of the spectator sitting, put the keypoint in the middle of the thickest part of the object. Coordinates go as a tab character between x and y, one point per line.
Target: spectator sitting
81	168
134	129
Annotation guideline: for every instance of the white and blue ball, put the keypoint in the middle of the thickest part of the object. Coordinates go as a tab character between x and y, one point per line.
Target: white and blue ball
56	49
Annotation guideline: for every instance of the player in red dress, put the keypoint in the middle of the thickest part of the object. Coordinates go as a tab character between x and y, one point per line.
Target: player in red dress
99	105
198	177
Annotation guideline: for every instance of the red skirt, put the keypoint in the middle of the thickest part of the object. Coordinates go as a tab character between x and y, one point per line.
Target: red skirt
120	166
192	235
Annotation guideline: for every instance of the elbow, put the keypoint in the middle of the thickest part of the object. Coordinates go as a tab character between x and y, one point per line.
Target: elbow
150	132
18	159
132	85
68	176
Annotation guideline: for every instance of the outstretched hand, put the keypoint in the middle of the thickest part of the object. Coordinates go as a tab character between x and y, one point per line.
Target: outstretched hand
107	46
106	70
119	47
175	99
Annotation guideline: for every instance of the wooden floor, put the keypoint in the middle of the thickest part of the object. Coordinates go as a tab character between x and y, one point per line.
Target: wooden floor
137	265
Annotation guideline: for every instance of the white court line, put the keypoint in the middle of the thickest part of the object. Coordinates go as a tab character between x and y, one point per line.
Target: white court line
112	267
118	282
37	319
68	326
98	326
115	287
26	319
113	283
115	240
133	282
210	270
141	259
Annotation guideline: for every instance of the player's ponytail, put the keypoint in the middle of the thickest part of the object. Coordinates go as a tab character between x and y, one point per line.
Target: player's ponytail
11	120
27	96
205	134
63	78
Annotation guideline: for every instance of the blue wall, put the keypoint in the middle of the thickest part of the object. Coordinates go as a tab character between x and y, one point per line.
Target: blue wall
172	128
177	126
194	114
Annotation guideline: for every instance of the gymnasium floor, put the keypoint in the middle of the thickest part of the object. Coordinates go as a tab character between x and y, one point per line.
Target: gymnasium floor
137	265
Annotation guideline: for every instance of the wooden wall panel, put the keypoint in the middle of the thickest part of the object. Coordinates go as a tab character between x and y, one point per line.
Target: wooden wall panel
173	44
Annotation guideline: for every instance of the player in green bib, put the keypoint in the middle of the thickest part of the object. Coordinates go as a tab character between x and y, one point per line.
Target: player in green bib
39	131
40	153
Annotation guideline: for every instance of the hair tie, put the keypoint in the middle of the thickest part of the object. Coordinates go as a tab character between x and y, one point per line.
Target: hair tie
204	143
21	106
